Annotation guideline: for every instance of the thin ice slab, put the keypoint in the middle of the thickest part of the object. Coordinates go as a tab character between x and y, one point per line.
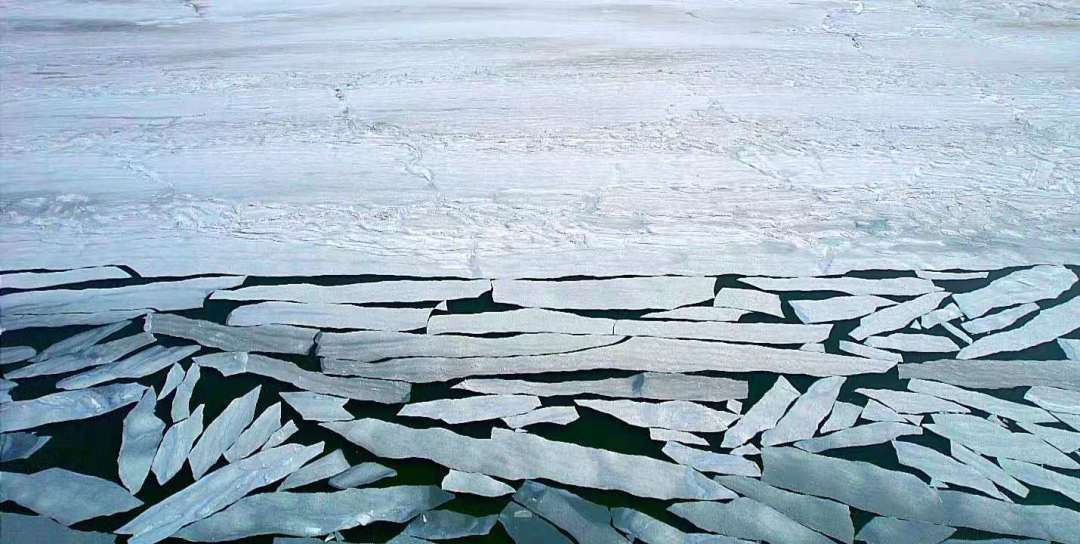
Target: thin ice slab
837	308
141	364
329	316
474	484
999	320
648	385
223	432
707	461
822	515
863	350
327	466
361	293
884	530
1048	325
280	436
756	333
682	437
806	413
1042	477
90	357
876	411
981	401
991	515
16	322
468	409
362	474
181	404
763	415
915	343
176	446
316	407
15	446
852	286
522	456
70	498
585	521
67	406
266	338
906	402
940	316
943	468
1066	441
534	320
861	435
749	300
172	380
556	415
747	518
161	296
256	434
447	524
698	313
1054	399
984	374
339	350
676	415
20	528
950	276
898	316
650	530
990	439
1071	348
648	293
987	468
76	343
40	280
525	527
1029	285
10	355
142	432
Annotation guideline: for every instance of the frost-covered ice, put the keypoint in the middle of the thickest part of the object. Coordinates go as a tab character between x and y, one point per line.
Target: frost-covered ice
222	432
90	357
524	527
758	333
161	296
362	474
749	300
468	409
849	285
896	317
40	280
340	350
668	435
1029	285
529	320
522	456
316	407
987	468
584	520
707	461
70	498
142	432
999	320
651	293
1048	325
360	293
20	528
648	385
447	524
987	403
763	415
943	468
804	416
916	343
698	313
15	354
650	530
143	363
268	338
474	484
884	530
822	515
676	415
284	371
181	404
329	316
256	434
837	308
67	406
325	467
14	446
746	518
989	439
176	445
863	350
557	415
984	374
907	402
860	435
1054	399
1043	477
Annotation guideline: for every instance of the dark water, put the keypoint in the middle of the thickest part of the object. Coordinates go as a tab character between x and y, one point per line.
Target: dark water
92	446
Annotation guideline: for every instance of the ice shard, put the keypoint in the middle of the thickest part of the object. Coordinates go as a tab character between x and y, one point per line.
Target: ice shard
915	343
20	528
987	468
650	530
991	515
943	468
534	320
898	316
950	276
468	409
316	407
825	516
143	363
883	530
746	450
852	286
999	320
906	402
585	521
755	333
524	527
763	415
474	484
90	357
280	436
647	385
863	350
707	461
645	293
837	308
747	518
1030	285
329	316
40	280
940	316
160	296
15	446
67	406
223	432
447	524
861	435
5	390
15	354
989	439
1042	477
316	382
985	374
1054	399
676	415
1071	347
327	466
255	435
749	300
876	411
266	338
981	401
1066	441
667	435
16	322
340	351
523	456
176	446
181	404
808	411
557	415
67	497
215	491
172	380
361	293
140	440
79	342
362	474
1048	325
698	313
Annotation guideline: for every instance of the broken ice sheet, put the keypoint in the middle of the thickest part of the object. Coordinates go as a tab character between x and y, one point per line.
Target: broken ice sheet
990	439
882	530
280	436
1066	441
645	293
991	515
984	374
1029	285
223	432
999	320
1054	399
667	435
940	316
79	342
143	363
941	467
987	468
468	409
181	404
362	474
806	413
268	338
161	296
329	465
340	350
987	403
524	527
861	435
67	406
746	450
950	276
329	316
746	518
650	530
316	407
876	411
757	333
763	415
25	321
256	434
557	415
837	308
474	484
232	363
1042	477
1071	347
869	352
898	316
749	300
446	524
585	521
849	285
90	357
648	385
20	528
361	293
916	343
14	446
141	437
676	415
15	354
522	456
5	390
172	380
176	445
707	461
71	497
1048	325
822	515
531	320
39	280
698	313
906	402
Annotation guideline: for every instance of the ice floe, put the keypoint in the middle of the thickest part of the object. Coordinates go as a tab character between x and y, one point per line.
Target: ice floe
474	484
907	402
987	403
950	276
1043	477
316	407
897	317
987	468
915	343
999	320
707	461
647	293
80	341
749	300
1066	441
884	530
747	518
67	406
668	435
67	497
1054	399
15	354
339	350
985	514
40	280
837	308
90	357
160	296
181	404
758	333
362	474
650	530
222	432
143	363
256	434
447	524
985	374
990	439
648	385
1029	285
361	293
524	527
531	320
763	415
804	416
329	316
876	411
585	521
863	350
142	432
325	467
822	515
860	435
849	285
676	415
176	446
172	380
698	313
20	528
280	436
943	468
1048	325
557	415
472	408
18	445
267	338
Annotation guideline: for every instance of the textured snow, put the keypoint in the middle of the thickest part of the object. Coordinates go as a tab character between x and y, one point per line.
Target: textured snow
329	316
649	385
472	408
268	338
360	293
142	432
749	300
1029	285
837	308
536	320
677	415
763	415
338	349
71	497
1046	326
806	413
67	406
652	293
